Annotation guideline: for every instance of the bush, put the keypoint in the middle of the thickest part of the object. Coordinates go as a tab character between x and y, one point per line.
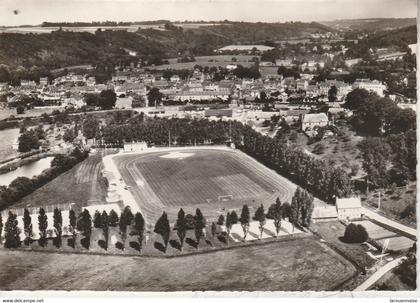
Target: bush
355	234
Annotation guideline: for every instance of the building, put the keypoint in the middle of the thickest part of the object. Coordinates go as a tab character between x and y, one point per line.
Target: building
244	48
324	213
310	121
391	56
349	208
370	85
4	86
135	146
351	62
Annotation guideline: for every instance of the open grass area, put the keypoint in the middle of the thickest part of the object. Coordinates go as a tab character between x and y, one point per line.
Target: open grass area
332	231
296	265
81	185
215	181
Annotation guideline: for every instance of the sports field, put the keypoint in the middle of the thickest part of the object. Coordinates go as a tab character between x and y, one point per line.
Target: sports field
213	180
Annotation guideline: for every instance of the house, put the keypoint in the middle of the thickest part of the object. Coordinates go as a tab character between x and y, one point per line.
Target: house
349	208
135	146
4	86
351	62
371	85
324	213
285	62
310	121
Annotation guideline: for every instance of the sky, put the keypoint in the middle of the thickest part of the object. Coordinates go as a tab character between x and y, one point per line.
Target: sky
19	12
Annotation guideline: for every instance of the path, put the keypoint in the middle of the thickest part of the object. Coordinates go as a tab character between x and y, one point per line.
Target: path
377	275
375	216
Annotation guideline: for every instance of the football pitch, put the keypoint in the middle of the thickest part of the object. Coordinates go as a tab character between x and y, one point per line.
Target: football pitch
204	178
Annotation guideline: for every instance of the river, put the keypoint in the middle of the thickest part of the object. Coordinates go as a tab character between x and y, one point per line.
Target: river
29	170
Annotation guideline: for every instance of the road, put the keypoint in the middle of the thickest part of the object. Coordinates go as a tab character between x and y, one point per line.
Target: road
375	216
377	275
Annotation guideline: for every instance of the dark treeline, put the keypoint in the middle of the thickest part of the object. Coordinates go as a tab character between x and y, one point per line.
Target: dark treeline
22	186
323	181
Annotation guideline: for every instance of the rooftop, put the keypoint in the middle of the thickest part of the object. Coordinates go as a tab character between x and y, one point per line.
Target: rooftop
353	202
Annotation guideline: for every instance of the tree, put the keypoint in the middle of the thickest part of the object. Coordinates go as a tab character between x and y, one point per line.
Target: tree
28	141
20	110
11	232
139	228
181	227
275	212
375	154
97	223
260	217
90	127
154	96
245	219
213	229
42	226
72	222
355	233
105	227
234	217
113	218
221	220
84	225
228	225
69	135
107	99
332	94
200	224
27	226
126	219
58	226
163	228
307	208
1	227
295	208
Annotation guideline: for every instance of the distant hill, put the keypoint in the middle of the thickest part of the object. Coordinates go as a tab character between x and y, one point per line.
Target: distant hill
400	37
64	48
370	25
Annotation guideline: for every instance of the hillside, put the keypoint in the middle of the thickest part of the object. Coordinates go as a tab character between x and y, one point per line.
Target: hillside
370	25
64	48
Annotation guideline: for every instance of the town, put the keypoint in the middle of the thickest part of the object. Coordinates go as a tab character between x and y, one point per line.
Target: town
304	145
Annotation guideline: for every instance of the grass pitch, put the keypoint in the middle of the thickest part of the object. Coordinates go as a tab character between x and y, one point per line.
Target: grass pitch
213	180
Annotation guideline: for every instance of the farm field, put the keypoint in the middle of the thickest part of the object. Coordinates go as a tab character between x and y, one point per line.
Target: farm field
309	262
81	185
8	136
216	181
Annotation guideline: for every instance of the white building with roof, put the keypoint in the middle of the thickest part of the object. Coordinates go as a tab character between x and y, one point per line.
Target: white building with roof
349	208
310	121
370	85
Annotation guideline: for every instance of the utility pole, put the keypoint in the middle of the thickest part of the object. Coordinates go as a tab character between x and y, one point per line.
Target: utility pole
379	201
